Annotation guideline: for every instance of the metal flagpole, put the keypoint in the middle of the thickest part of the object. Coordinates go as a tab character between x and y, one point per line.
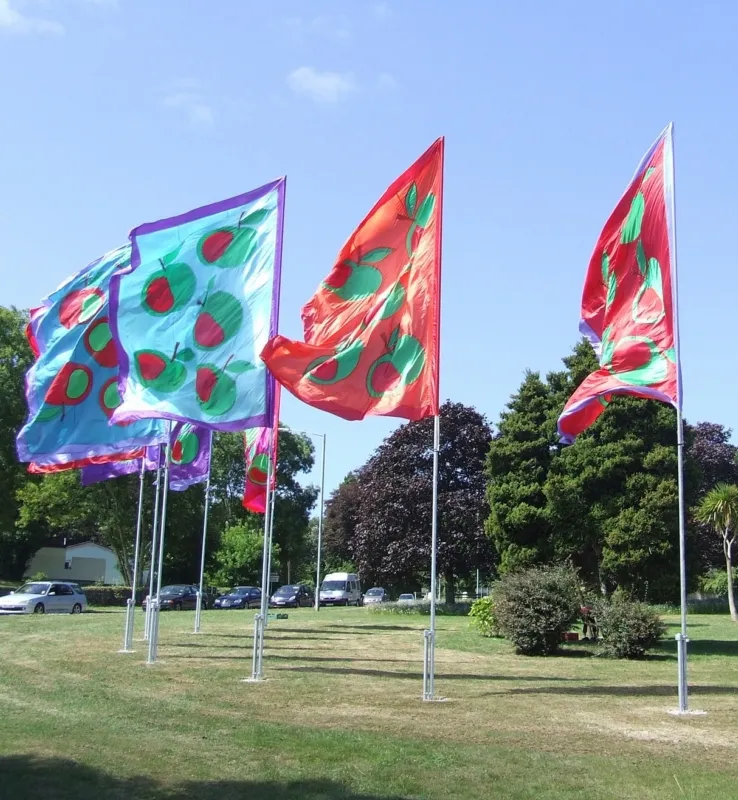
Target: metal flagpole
429	636
320	525
131	603
271	542
681	637
154	631
155	528
198	608
257	670
429	642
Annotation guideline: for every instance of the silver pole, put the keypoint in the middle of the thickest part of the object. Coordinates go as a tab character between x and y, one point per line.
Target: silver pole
320	526
131	603
155	528
269	568
682	635
430	635
198	609
257	672
154	632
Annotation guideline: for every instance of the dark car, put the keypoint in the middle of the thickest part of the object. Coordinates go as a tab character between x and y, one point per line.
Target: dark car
179	597
292	596
240	597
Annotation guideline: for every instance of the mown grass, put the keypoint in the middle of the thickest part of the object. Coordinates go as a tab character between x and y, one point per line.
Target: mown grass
340	714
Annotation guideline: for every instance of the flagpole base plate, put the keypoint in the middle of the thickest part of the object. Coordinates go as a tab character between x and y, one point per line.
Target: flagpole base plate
692	712
253	680
434	699
123	650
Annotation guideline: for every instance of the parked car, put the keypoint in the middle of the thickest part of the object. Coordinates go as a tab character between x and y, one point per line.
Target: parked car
240	597
375	595
406	598
340	589
292	596
45	597
179	597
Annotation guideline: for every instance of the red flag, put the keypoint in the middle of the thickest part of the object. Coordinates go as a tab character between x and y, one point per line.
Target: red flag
256	452
372	329
628	309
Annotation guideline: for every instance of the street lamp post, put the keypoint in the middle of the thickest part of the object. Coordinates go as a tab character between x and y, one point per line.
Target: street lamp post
321	436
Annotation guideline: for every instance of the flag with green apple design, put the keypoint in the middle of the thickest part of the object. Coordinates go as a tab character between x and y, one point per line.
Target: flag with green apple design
194	309
190	460
628	310
257	455
72	388
371	331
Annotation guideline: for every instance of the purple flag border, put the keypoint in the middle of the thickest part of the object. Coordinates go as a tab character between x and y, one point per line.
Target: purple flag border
258	420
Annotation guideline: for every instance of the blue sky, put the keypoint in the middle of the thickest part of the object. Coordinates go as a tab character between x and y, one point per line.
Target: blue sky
117	113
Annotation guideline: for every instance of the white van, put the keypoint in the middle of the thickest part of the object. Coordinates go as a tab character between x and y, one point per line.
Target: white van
340	589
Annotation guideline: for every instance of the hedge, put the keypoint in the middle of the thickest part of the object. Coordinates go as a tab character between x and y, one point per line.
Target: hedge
110	595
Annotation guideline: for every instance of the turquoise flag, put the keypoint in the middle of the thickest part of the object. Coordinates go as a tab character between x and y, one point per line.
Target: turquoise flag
72	388
194	309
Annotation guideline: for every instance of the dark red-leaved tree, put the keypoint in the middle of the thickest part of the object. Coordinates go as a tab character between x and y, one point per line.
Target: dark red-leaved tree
391	543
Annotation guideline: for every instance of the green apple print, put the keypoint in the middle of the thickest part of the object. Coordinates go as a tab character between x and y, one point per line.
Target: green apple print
332	369
231	245
419	217
400	366
215	388
653	367
354	280
219	320
185	448
632	226
157	371
259	469
648	304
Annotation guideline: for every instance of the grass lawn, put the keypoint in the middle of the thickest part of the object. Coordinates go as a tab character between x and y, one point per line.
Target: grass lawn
340	714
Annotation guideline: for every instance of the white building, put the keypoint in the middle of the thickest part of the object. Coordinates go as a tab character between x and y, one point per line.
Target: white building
87	562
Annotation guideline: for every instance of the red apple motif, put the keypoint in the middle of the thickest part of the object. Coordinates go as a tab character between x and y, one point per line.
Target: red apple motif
80	306
215	245
98	341
71	386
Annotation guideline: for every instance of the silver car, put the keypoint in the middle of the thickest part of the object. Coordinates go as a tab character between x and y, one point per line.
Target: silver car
376	595
45	597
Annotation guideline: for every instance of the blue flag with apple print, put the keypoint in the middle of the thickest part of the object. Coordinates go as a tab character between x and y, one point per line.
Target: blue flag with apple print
193	310
72	388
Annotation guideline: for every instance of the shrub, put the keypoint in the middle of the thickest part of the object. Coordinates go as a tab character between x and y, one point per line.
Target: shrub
482	615
39	576
627	628
535	607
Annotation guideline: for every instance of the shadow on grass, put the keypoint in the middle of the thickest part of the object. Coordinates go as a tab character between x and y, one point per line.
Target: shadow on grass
700	647
618	691
32	777
453	676
360	628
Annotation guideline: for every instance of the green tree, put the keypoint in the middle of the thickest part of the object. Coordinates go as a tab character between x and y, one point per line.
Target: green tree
16	545
339	525
719	509
238	559
517	467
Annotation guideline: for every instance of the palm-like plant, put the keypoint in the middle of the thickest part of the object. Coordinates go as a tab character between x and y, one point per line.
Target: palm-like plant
719	509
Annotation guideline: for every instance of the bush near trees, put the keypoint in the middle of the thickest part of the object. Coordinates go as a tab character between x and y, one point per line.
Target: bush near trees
626	628
482	616
534	607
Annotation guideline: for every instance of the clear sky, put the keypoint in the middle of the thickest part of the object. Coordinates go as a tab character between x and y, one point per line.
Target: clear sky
117	113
